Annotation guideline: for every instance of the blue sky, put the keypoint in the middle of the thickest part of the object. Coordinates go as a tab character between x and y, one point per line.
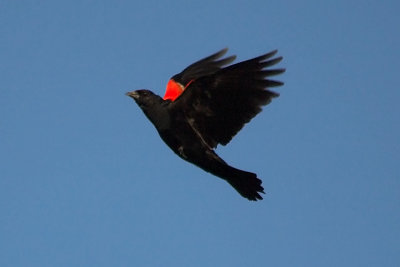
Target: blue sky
86	181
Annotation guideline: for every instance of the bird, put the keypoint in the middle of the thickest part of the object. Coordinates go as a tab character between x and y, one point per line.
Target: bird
207	104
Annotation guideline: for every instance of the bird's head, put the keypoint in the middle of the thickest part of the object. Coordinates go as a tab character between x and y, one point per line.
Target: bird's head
153	106
145	98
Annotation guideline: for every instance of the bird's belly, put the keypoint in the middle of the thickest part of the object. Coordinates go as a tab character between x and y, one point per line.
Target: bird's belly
183	142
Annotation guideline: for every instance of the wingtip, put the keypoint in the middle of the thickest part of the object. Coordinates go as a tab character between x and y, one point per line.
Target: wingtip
224	50
270	54
220	53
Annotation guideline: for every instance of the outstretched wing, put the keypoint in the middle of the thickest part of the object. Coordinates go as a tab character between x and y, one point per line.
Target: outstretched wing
206	66
218	105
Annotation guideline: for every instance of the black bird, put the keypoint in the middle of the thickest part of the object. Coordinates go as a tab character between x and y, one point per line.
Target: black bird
206	105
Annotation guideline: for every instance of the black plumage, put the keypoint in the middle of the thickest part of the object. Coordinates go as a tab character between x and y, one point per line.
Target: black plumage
215	104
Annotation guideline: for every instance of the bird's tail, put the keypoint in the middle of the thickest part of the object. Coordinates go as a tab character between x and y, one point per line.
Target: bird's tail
246	183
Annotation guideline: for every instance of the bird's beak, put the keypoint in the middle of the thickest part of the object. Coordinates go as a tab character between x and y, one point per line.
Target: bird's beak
132	94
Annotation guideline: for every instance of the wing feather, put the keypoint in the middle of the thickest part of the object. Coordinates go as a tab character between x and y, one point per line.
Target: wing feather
203	67
220	104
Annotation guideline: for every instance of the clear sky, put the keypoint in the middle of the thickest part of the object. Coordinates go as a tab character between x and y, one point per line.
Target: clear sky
85	179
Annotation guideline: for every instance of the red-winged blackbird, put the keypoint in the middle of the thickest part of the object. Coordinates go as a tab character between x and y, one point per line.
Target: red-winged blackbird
206	105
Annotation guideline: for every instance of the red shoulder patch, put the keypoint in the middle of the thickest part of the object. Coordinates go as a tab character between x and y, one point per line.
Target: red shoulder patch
174	89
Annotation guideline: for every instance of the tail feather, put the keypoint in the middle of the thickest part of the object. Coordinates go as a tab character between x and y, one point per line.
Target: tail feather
246	183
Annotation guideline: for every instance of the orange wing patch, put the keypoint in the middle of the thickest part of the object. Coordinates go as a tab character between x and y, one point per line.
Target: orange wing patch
174	89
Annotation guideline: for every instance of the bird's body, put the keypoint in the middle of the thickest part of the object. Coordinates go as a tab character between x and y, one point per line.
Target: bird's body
206	105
